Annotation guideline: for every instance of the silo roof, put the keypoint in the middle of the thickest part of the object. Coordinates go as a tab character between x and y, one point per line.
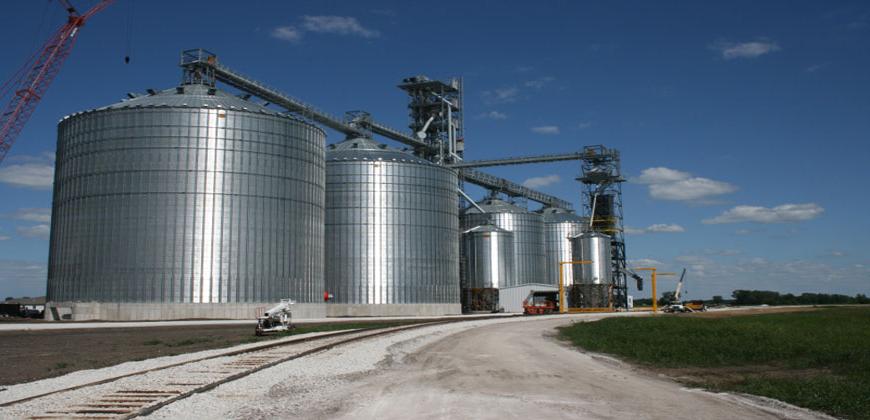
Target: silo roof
558	214
190	96
194	96
591	235
486	228
494	205
364	149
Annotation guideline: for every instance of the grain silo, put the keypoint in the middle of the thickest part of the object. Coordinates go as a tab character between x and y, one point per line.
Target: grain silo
559	226
391	232
528	233
593	282
186	203
487	265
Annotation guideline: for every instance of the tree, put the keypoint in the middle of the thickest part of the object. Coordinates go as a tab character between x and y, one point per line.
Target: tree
717	300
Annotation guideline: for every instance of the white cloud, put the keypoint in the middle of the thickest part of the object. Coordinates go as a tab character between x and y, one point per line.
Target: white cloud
501	95
546	129
644	262
780	214
690	189
659	175
816	67
341	25
671	184
787	276
539	82
5	238
40	231
665	228
493	115
287	33
42	215
541	181
723	252
693	259
584	125
743	231
655	228
28	175
752	49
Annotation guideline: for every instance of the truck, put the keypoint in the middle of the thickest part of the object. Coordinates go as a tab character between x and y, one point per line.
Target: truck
541	303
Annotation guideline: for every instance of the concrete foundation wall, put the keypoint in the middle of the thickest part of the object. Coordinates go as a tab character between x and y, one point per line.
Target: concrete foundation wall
90	311
416	309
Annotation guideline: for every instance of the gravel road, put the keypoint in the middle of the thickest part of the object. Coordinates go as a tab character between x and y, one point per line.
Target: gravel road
500	369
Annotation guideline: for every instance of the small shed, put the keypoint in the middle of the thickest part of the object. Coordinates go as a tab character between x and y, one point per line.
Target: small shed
511	298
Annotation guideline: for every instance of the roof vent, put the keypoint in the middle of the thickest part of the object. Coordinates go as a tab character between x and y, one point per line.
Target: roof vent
151	92
212	91
179	90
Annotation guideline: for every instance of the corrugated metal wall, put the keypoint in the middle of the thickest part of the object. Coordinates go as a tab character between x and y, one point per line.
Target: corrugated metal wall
489	257
160	203
559	227
528	229
391	227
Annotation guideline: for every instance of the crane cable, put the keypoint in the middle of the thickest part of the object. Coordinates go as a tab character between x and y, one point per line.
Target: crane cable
128	28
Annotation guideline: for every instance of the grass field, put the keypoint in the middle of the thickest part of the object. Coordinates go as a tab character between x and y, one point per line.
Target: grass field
817	359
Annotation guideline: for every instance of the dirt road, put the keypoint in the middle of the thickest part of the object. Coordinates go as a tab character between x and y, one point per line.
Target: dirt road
494	370
512	370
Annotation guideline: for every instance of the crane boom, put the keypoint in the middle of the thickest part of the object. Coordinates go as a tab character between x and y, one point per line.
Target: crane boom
27	90
679	287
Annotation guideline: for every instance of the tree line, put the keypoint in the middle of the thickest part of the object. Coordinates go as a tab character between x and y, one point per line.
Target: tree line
767	297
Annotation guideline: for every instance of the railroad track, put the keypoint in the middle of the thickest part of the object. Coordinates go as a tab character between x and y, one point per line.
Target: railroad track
143	392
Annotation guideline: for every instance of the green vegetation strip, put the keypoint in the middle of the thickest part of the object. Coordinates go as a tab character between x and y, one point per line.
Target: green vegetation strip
817	359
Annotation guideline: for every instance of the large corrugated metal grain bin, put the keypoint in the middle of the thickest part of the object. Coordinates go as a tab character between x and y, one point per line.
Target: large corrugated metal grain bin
391	232
559	226
528	230
488	264
191	196
592	286
489	257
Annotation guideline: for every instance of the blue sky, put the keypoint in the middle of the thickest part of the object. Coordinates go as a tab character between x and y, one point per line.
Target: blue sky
743	125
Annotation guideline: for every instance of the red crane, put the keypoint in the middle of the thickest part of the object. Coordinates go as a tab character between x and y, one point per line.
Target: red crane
31	81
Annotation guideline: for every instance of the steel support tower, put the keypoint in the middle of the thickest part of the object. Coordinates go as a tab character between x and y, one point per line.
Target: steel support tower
602	202
435	109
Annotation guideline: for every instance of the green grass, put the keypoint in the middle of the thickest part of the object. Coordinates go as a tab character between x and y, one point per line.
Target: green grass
60	365
818	359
